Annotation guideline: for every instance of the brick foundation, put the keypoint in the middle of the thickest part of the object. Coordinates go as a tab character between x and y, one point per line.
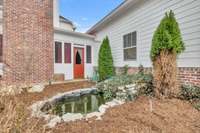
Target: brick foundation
27	41
186	75
190	76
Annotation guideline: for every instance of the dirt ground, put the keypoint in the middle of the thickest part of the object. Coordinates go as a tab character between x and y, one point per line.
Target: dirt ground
167	116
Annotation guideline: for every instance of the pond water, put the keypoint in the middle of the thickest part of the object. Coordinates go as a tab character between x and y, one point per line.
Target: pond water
80	104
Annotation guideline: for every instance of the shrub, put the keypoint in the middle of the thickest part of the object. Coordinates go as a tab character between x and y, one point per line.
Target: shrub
105	62
167	37
166	45
189	92
197	106
144	84
14	117
125	70
116	87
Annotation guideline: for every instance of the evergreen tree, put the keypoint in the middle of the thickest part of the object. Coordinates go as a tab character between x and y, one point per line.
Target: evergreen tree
166	45
167	37
105	61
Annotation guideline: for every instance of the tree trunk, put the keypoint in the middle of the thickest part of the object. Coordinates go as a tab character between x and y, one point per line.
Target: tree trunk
165	75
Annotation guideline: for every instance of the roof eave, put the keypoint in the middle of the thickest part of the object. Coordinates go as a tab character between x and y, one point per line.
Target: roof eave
63	31
112	14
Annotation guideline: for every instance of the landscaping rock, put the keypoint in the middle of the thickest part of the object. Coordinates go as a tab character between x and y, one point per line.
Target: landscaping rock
121	88
103	108
94	114
130	86
36	88
54	121
72	117
46	107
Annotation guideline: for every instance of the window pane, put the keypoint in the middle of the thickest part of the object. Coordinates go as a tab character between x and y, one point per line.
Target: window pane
124	40
58	52
134	38
78	58
67	52
89	54
129	40
130	54
1	47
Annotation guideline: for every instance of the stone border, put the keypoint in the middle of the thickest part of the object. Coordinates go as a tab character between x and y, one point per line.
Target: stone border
54	119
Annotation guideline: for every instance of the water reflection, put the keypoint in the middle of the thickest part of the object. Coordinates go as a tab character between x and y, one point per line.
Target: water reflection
83	104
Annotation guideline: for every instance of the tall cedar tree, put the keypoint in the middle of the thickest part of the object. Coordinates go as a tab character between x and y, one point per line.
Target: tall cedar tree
167	43
105	62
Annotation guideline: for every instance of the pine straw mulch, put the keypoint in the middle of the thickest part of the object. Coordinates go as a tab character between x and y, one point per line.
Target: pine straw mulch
168	116
52	90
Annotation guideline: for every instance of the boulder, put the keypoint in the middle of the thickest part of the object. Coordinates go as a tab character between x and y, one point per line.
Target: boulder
54	121
72	117
46	107
36	88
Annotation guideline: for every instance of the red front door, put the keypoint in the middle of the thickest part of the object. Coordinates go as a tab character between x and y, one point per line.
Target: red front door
78	63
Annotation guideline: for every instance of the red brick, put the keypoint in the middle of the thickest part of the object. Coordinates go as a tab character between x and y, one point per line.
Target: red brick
28	39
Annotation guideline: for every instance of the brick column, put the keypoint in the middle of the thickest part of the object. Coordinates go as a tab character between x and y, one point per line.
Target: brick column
27	41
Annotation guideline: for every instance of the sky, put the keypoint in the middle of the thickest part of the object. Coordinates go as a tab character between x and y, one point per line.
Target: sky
85	13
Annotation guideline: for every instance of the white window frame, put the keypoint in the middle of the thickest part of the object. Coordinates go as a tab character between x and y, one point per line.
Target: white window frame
133	46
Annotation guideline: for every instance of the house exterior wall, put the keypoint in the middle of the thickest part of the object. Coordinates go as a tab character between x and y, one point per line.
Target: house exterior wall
66	26
76	41
144	17
27	41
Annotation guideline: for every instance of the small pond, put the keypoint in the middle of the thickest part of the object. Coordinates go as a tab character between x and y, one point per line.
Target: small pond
82	103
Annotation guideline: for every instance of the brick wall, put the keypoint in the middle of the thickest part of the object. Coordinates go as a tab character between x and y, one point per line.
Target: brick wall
186	75
27	41
190	75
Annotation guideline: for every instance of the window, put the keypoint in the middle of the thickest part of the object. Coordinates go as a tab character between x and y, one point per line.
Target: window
130	46
1	2
67	52
78	58
89	54
1	47
58	52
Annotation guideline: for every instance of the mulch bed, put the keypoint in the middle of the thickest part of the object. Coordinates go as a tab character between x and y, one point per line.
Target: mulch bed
52	90
168	116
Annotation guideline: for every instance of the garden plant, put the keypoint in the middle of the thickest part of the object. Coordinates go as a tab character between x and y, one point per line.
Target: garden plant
105	62
167	44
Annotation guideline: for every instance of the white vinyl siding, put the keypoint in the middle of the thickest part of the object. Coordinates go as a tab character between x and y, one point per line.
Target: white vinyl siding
144	17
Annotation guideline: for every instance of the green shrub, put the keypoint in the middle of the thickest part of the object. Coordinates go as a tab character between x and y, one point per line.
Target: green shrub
167	43
144	84
189	92
110	87
105	61
167	37
192	94
125	70
197	106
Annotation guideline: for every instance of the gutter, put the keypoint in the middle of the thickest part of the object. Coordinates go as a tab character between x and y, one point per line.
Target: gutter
67	32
